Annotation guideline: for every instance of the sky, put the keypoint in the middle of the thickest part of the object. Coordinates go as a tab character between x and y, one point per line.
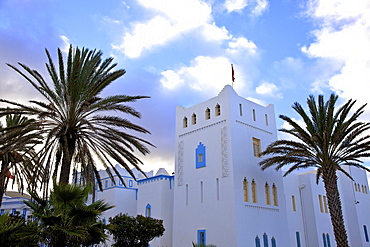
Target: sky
179	52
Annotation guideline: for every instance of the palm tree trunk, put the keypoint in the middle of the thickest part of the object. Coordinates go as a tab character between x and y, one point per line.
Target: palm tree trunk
3	171
330	179
68	151
2	188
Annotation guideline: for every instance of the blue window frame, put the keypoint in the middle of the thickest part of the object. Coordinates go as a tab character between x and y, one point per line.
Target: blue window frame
298	239
328	239
13	211
148	210
202	237
273	242
366	234
324	239
130	183
24	212
200	156
257	241
2	211
106	183
265	240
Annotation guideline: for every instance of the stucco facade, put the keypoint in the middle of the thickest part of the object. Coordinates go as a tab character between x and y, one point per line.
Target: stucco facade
219	195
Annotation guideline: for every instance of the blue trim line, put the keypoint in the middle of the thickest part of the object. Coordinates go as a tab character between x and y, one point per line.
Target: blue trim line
11	203
155	178
113	187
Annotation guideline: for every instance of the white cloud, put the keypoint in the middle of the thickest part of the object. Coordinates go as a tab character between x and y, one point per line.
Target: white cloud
237	45
261	6
206	74
257	101
145	36
235	5
268	89
170	79
344	38
214	33
257	6
65	44
172	19
286	125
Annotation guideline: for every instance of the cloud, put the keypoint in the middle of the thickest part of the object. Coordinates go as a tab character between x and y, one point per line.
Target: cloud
170	79
205	74
172	18
268	89
343	37
66	44
238	45
257	7
209	74
214	33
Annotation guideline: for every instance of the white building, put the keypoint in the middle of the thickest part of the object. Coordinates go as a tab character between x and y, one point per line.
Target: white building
220	196
13	204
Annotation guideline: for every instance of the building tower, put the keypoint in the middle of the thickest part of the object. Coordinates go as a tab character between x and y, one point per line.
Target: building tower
221	196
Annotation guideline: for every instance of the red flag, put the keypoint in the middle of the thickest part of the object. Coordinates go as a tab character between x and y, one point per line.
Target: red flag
9	175
232	73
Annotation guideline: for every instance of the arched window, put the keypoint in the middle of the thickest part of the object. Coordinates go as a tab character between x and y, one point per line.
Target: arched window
293	204
257	241
194	119
254	114
273	242
324	240
321	207
266	120
355	185
200	156
254	192
265	240
267	194
325	204
218	110
148	210
328	240
274	194
245	188
185	122
208	114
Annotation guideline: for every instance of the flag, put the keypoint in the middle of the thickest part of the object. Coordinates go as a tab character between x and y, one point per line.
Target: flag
232	73
9	175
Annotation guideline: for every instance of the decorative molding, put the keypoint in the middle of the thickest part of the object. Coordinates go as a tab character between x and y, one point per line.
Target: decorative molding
180	163
207	126
254	127
262	208
224	153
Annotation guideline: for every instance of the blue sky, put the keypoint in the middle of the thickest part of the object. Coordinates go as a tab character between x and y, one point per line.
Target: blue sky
179	52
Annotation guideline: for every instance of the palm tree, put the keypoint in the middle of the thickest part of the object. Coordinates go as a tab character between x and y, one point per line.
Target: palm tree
328	140
17	153
66	219
77	132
